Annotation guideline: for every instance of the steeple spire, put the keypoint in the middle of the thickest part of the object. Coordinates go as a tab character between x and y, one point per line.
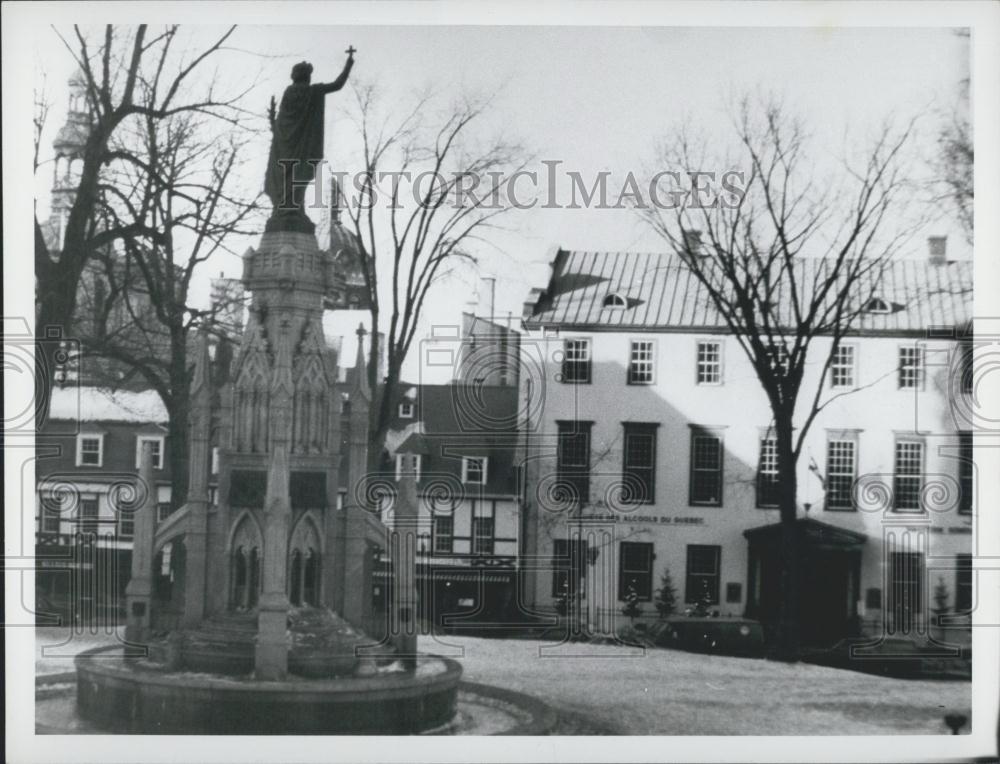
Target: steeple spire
360	367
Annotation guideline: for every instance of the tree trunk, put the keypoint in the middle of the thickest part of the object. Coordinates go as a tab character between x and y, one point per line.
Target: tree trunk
788	611
179	408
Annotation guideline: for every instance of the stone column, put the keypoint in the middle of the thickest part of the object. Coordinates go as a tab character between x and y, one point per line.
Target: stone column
139	590
271	658
404	566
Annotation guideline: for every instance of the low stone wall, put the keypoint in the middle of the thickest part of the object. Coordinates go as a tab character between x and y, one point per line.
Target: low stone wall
128	696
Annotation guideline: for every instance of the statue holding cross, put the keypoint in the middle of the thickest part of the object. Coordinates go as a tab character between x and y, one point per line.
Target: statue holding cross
297	144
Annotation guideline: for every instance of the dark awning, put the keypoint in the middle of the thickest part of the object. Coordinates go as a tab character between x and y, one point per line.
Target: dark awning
811	533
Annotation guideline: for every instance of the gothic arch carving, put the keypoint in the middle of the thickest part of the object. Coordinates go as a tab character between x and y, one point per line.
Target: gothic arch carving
252	384
304	558
312	383
246	531
245	548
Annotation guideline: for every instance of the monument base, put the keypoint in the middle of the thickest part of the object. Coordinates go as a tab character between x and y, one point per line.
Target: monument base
134	696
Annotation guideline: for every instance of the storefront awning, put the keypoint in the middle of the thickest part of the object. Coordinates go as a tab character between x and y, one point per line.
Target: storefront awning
469	576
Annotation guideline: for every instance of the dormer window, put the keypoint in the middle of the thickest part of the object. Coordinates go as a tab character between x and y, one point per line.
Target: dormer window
615	300
878	305
406	411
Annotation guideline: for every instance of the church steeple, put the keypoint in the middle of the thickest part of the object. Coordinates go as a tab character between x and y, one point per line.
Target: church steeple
68	146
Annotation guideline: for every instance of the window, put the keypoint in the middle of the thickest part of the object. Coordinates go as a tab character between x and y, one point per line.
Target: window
406	411
709	362
877	305
443	531
967	363
89	450
215	460
841	469
842	367
87	516
573	461
569	563
779	358
126	522
482	535
963	583
635	569
907	477
409	463
639	463
965	468
157	441
50	515
911	367
615	300
706	469
906	578
767	474
640	363
702	584
576	361
474	470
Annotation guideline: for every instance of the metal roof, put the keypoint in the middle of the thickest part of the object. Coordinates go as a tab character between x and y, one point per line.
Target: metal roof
658	291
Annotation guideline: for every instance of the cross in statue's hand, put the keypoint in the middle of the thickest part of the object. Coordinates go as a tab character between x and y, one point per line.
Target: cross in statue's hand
351	50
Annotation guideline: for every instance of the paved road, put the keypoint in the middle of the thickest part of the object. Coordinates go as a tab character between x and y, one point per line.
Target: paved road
669	692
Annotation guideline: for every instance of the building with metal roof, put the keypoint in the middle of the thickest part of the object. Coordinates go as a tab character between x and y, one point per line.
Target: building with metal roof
648	448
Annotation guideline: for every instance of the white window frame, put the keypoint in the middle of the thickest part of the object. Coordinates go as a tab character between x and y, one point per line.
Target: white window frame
919	475
123	517
831	472
139	440
697	362
465	469
650	361
99	437
406	410
588	359
399	466
49	512
920	376
836	364
767	465
781	357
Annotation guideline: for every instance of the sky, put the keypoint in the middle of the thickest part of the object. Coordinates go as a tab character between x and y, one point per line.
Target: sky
593	98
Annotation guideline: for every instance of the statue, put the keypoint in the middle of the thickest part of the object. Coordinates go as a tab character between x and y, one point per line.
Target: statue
297	144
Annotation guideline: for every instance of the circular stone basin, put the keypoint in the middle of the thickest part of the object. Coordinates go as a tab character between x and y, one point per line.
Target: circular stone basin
134	695
479	710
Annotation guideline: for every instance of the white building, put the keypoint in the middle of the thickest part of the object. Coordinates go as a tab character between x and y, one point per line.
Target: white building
649	449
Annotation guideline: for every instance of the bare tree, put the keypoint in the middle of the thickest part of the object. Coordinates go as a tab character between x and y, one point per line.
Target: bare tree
40	116
795	258
174	176
129	75
956	164
426	194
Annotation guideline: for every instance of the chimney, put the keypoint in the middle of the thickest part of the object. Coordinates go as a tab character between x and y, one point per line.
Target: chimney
937	249
692	242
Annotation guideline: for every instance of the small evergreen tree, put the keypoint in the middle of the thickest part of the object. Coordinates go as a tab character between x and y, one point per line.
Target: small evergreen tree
940	600
666	595
632	607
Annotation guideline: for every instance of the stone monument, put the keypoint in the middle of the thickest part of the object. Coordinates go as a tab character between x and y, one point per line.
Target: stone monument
274	540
